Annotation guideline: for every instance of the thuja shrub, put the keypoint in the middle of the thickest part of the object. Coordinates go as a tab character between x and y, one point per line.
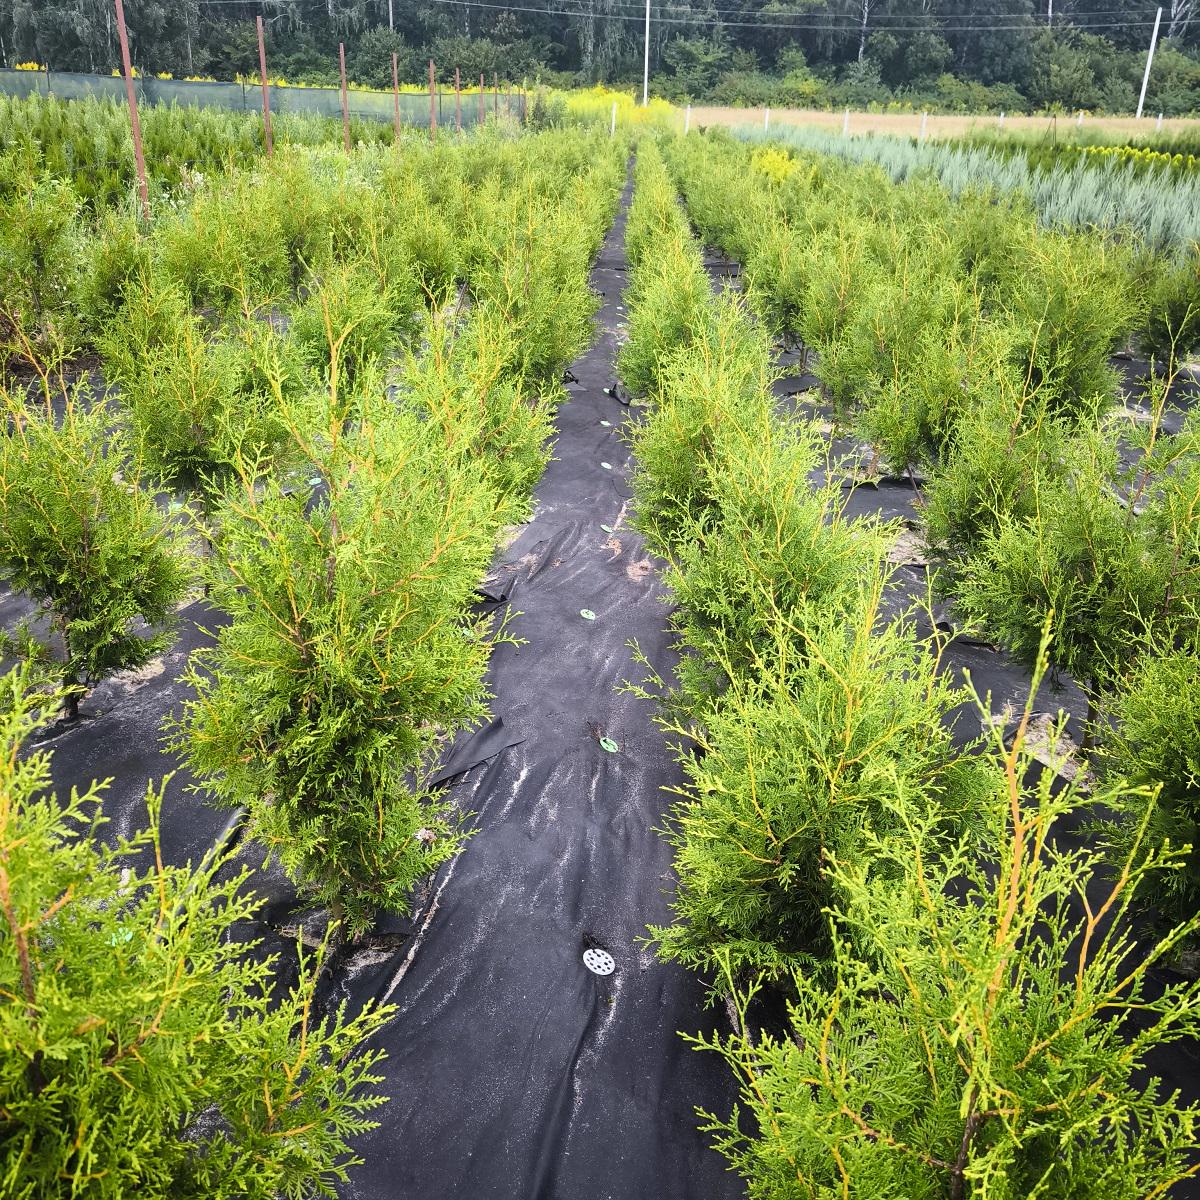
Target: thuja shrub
953	368
777	276
769	553
1081	556
147	1052
117	257
350	651
355	315
1153	741
532	268
1172	326
84	542
191	396
801	760
978	1035
998	450
464	381
721	379
40	253
1072	296
669	303
669	294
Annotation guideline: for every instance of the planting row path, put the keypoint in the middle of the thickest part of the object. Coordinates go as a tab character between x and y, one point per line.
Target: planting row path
513	1069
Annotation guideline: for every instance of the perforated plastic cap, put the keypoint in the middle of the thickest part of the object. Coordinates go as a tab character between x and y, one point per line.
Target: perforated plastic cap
599	962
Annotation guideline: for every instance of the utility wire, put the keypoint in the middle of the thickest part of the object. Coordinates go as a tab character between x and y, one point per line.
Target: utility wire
880	24
850	27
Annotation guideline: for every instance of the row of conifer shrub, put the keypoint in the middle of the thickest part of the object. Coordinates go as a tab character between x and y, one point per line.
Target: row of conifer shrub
931	995
327	427
972	350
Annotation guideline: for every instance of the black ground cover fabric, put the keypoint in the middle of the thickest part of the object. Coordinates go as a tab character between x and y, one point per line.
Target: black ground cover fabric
514	1072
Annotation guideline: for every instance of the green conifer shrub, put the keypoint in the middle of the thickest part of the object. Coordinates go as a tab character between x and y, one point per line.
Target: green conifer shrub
532	268
769	553
40	256
777	279
669	293
1154	741
999	449
720	380
353	316
802	759
667	308
117	257
1072	296
979	1036
1172	329
954	366
83	541
1082	556
146	1052
192	398
350	652
463	380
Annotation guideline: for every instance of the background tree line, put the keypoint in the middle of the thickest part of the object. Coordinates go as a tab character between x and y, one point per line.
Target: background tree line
951	54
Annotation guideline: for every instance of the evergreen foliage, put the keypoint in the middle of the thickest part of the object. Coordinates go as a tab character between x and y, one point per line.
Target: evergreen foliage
837	729
1154	743
147	1051
80	538
191	397
978	1035
350	652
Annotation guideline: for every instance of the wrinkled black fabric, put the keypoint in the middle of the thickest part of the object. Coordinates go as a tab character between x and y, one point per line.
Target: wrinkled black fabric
514	1072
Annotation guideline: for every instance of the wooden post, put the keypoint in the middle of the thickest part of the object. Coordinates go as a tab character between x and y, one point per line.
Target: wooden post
262	70
495	94
457	101
345	97
482	109
134	123
432	103
396	95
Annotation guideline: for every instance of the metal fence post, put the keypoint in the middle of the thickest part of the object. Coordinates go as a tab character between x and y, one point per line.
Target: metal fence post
268	138
396	95
345	97
432	103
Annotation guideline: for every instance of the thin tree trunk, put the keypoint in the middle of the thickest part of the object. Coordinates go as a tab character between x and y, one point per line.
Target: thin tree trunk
958	1180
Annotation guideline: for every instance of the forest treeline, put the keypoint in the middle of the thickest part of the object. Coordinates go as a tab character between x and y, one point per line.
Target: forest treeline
1011	55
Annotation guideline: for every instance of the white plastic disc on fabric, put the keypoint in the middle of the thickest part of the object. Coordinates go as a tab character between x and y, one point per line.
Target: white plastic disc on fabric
599	962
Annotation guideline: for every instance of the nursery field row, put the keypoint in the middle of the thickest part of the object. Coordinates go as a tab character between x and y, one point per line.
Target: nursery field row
937	986
1161	211
325	417
87	144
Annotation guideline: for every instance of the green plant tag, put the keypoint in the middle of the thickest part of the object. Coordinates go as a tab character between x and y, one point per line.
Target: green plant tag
587	614
609	745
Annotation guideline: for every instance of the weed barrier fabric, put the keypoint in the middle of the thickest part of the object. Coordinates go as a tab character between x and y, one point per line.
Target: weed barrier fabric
514	1071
